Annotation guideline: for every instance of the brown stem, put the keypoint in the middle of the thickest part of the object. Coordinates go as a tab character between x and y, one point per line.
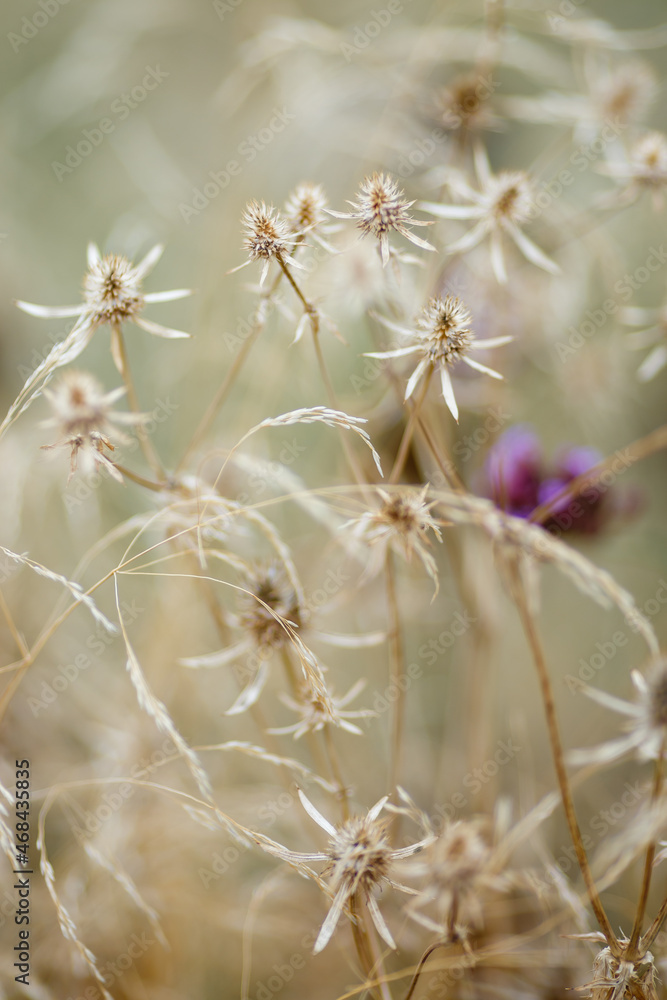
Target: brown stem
146	483
336	773
633	950
120	355
559	762
363	940
396	661
409	430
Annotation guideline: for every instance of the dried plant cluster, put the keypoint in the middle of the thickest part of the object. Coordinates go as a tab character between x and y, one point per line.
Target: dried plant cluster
369	585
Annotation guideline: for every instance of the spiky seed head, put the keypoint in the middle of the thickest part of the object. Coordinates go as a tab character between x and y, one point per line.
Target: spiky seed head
112	290
649	159
380	206
458	856
444	326
270	591
462	104
266	233
360	855
80	406
626	94
510	197
304	209
656	698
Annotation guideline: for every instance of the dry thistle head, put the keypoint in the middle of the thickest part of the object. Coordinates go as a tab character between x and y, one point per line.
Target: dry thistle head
83	415
645	170
502	205
647	719
463	104
271	597
618	979
267	237
624	93
456	868
380	207
112	291
441	333
403	522
305	207
319	708
359	859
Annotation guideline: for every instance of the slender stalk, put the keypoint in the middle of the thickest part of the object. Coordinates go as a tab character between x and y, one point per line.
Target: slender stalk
654	929
220	397
559	762
396	670
336	773
120	356
422	962
313	316
148	484
371	962
633	949
409	430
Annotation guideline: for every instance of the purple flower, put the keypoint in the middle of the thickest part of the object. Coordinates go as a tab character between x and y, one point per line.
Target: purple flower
518	480
514	470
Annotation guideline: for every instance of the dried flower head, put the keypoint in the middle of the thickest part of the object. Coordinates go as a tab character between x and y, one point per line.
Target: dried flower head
653	334
379	208
502	205
304	209
403	522
456	869
112	290
622	93
644	170
621	979
647	719
83	415
464	104
271	599
319	708
359	859
441	333
267	236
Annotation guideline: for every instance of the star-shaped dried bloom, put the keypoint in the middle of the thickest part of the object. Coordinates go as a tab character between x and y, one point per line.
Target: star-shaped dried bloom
457	869
267	237
646	719
305	211
644	170
653	334
463	105
82	413
441	334
359	860
501	207
403	522
380	208
272	613
113	295
319	708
